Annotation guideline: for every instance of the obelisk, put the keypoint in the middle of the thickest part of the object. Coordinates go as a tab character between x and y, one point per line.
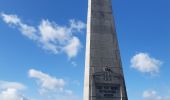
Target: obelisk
104	78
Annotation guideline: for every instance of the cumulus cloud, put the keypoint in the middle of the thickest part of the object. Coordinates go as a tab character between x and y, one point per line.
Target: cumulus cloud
77	25
14	20
49	35
11	19
152	95
10	91
28	31
46	81
14	85
72	47
145	64
52	88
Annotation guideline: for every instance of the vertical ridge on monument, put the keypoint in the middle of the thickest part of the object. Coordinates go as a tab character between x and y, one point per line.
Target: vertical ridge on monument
104	78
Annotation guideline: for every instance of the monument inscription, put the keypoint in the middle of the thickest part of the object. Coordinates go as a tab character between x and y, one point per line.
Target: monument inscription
104	85
107	90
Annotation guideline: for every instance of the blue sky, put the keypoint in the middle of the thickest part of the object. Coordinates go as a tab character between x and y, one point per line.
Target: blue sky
40	65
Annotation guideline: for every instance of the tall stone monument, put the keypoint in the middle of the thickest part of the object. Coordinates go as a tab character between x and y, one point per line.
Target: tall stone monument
104	79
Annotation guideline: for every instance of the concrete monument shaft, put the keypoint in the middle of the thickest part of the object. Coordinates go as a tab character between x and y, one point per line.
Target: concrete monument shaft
104	79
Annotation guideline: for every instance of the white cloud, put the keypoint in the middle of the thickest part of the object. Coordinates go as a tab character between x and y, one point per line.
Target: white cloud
60	38
145	64
72	47
46	81
28	31
52	88
51	32
10	19
10	91
13	85
15	21
49	35
77	25
152	95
